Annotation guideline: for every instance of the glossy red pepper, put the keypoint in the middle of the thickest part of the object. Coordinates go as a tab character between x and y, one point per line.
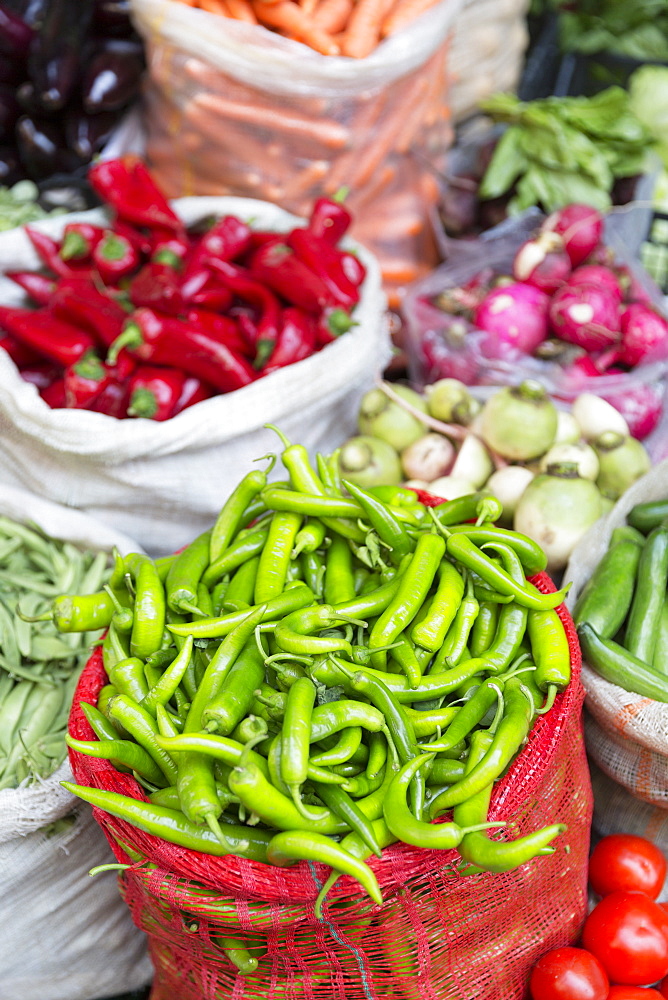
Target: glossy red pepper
157	286
154	392
140	241
296	340
207	292
128	187
85	380
278	266
41	374
353	268
165	340
173	249
79	241
324	260
223	328
329	220
20	354
227	238
244	285
331	325
54	394
40	287
48	251
115	258
194	391
80	301
113	400
47	334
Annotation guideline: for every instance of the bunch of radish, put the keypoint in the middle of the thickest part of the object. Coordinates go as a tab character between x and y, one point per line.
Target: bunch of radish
565	300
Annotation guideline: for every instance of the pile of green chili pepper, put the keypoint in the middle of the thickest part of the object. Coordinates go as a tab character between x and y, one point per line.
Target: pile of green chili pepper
622	612
39	668
325	672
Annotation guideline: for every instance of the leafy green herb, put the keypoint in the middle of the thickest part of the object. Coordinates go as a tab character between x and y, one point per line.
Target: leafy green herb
634	28
557	150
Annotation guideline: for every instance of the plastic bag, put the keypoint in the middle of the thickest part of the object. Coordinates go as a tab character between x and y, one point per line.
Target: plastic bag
163	482
440	345
437	934
65	936
627	736
232	108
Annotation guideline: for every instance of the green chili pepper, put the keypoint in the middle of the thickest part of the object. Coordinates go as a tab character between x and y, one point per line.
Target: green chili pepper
144	729
341	804
99	723
471	507
484	628
248	544
342	750
414	586
149	611
339	583
163	691
232	512
185	574
77	612
470	714
493	855
313	568
172	826
123	753
310	537
404	654
296	732
355	845
239	955
310	504
531	554
551	653
275	556
387	526
455	643
606	598
642	625
297	597
335	672
294	633
295	845
236	691
128	677
430	632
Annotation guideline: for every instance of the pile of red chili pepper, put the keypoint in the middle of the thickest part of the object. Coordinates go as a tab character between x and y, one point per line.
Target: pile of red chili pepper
141	317
324	672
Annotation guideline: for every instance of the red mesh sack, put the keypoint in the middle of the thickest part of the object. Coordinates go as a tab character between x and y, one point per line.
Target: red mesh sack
438	935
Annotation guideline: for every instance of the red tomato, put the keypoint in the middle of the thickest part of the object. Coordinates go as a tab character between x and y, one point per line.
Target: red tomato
622	861
628	932
663	987
632	993
568	974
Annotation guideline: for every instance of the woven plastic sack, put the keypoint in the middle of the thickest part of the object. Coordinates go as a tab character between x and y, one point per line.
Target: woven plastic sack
65	936
437	349
627	736
437	936
163	482
232	108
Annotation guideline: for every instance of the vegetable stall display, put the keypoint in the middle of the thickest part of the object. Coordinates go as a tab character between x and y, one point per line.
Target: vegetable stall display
325	662
142	317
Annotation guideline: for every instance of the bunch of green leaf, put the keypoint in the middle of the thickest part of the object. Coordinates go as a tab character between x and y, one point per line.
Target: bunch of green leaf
635	28
18	205
558	150
648	89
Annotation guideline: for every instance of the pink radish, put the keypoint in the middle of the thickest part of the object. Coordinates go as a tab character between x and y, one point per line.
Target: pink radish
641	406
644	333
585	315
580	227
597	274
543	263
516	315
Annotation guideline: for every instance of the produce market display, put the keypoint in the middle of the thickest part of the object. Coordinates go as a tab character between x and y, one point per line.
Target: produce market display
333	500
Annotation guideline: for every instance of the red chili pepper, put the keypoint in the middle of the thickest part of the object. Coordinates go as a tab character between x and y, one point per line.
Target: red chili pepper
276	265
85	380
46	334
205	291
79	241
39	287
40	374
324	260
223	328
171	248
353	268
331	325
226	239
164	340
245	318
239	281
296	340
329	220
154	392
115	258
140	241
20	354
127	185
194	391
113	400
80	301
48	250
157	286
54	394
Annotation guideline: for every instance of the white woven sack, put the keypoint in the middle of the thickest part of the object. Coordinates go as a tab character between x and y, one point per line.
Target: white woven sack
65	936
164	482
627	735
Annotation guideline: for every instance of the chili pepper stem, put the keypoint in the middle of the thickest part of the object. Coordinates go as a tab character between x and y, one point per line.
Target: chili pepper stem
214	826
108	868
284	440
552	692
500	706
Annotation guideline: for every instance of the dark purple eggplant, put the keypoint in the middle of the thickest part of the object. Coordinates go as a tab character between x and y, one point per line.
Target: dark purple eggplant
12	70
112	18
10	109
11	170
54	61
30	11
27	98
42	148
15	34
87	134
111	79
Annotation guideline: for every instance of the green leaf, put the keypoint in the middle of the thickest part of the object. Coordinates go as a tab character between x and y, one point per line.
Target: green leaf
507	164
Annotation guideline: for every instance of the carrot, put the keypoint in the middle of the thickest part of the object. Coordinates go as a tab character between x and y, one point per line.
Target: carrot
332	15
384	142
293	127
403	13
288	17
241	10
309	176
308	6
363	31
214	6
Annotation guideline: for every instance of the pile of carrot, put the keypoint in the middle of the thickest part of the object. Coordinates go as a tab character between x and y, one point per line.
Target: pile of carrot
351	28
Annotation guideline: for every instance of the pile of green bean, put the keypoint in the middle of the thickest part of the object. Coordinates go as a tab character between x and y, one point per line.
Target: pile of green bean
39	668
622	612
326	671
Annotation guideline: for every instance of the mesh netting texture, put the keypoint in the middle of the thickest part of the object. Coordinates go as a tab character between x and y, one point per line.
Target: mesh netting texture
438	935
